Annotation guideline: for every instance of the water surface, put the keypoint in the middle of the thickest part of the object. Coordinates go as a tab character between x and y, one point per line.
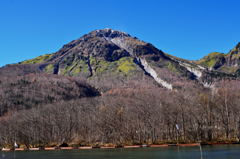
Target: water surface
208	152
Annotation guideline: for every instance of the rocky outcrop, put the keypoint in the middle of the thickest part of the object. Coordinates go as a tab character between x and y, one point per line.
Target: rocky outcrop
233	57
197	71
226	63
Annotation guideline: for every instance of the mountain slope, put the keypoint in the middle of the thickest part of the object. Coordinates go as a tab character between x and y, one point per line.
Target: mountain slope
130	85
227	63
112	59
31	90
108	55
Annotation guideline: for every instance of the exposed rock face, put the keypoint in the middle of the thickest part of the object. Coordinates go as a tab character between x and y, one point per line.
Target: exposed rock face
197	71
154	74
233	57
95	44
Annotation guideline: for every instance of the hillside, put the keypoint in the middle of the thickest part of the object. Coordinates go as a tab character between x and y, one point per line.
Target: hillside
108	55
108	87
228	63
25	92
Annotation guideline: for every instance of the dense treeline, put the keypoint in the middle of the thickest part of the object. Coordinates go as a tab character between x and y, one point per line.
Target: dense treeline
23	92
130	116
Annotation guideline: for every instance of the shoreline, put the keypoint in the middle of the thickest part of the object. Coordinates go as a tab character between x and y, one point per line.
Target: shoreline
116	147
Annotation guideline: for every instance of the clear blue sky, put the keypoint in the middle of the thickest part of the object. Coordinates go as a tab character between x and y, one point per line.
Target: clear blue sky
185	28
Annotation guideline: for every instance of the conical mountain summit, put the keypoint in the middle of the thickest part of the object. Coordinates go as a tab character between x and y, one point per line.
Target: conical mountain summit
108	58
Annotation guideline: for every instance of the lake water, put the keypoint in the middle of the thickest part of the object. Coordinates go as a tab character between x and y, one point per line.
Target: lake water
209	152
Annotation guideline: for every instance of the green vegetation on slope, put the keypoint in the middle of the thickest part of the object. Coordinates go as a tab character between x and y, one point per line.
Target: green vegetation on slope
99	66
76	68
211	60
49	68
38	59
124	65
172	67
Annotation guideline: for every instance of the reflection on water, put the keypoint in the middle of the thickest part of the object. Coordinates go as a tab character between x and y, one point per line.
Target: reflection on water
208	152
200	149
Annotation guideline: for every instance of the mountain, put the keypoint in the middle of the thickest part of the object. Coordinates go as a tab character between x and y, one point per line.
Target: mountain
108	58
111	60
109	87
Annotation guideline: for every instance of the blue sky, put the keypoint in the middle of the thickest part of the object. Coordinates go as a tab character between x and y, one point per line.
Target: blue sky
185	28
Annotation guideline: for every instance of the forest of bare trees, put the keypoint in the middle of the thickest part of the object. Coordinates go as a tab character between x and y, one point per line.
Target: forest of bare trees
125	116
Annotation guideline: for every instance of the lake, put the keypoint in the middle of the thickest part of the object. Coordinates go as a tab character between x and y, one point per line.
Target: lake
208	152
